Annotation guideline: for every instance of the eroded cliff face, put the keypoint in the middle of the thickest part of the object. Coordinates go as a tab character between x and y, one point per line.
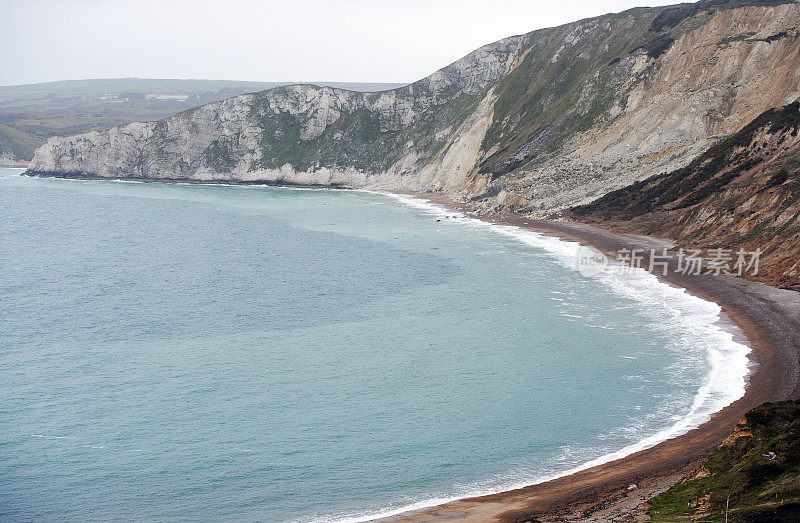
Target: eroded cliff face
531	124
741	193
712	81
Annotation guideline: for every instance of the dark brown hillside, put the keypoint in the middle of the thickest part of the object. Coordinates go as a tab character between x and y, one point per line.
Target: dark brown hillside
743	192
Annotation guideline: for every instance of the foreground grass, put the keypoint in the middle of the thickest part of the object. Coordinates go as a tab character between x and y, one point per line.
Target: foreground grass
756	472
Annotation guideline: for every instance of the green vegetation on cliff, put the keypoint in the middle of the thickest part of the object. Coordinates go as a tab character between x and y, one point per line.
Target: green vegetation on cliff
756	472
544	101
17	143
356	139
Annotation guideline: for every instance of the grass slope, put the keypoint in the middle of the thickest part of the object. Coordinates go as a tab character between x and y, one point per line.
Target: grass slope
756	470
17	143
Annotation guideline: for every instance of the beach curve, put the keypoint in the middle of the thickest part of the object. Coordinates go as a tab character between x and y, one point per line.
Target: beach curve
762	313
767	316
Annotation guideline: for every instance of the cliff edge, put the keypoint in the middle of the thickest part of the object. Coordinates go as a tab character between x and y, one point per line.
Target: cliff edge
531	124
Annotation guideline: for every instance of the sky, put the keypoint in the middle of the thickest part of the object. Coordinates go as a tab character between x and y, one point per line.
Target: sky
289	40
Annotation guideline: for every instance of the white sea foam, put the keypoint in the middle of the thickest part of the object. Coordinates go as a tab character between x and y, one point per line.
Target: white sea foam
691	318
16	171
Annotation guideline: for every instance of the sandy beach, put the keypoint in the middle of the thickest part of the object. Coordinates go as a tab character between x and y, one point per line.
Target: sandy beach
769	318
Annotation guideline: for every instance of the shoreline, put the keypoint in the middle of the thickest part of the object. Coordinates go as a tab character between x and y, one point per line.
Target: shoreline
768	317
232	182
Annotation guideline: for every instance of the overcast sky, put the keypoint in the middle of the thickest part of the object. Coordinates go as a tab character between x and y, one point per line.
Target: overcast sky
289	40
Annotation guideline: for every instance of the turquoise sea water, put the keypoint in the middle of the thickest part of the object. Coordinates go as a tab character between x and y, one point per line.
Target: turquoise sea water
202	352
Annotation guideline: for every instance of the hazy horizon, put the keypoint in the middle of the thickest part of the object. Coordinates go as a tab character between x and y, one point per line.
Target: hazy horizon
355	41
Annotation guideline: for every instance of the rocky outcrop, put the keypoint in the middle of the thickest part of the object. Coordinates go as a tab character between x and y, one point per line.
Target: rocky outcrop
531	124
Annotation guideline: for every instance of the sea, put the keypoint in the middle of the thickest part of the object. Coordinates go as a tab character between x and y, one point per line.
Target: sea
209	352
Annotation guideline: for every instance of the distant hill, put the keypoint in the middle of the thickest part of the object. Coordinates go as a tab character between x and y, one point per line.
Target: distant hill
15	143
75	106
101	86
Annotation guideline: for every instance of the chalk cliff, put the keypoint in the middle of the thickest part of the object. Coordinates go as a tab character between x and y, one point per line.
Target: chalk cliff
532	124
